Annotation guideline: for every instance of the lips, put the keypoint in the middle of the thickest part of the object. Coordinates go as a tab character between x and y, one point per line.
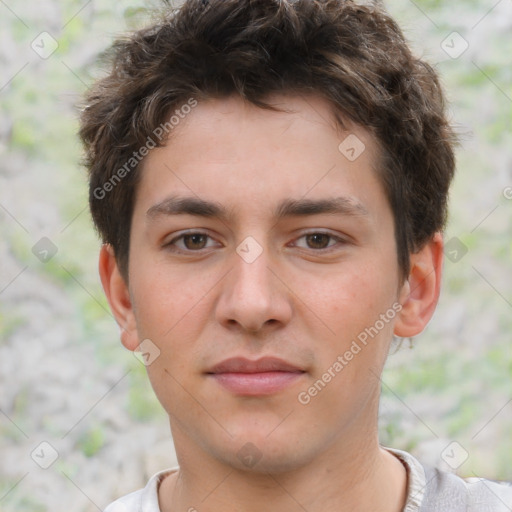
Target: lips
265	364
247	377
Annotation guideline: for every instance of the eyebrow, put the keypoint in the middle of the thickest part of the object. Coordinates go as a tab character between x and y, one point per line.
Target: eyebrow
176	205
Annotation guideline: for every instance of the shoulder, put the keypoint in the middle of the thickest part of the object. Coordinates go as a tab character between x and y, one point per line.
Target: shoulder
130	503
433	490
143	500
489	495
470	494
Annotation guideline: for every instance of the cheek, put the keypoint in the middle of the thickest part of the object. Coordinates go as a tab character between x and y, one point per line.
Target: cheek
352	298
173	312
166	303
352	306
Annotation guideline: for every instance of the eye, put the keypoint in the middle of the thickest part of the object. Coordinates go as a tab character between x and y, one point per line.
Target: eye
318	240
190	242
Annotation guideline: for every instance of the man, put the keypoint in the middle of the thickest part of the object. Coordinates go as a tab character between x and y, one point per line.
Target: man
270	179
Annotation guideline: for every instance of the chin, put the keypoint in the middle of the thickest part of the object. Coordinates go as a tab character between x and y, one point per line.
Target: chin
258	454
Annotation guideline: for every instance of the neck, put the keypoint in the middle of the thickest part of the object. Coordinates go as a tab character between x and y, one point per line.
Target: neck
357	477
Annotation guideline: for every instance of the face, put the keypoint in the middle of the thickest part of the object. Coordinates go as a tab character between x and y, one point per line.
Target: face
263	267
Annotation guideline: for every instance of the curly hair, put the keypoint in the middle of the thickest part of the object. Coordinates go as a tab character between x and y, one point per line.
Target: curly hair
354	56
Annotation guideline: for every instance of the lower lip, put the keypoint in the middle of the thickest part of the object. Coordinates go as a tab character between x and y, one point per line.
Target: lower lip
254	384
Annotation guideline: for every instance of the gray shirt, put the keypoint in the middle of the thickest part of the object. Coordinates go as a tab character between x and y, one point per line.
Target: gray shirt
432	490
428	490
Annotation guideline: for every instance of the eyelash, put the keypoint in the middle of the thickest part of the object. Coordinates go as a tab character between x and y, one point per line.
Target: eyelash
172	243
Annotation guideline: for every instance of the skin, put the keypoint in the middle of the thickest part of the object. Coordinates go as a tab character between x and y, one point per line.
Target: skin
303	299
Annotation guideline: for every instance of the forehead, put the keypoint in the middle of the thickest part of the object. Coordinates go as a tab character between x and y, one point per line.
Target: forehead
306	115
235	151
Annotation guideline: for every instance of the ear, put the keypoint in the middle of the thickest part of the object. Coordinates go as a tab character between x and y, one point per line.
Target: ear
118	297
420	292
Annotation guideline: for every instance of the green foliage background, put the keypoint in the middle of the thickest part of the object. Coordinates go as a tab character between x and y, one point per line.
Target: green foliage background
454	384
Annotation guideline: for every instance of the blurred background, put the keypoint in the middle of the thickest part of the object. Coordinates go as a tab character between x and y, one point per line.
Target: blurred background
79	424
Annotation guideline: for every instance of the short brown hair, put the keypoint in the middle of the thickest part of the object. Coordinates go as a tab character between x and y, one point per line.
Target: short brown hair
355	56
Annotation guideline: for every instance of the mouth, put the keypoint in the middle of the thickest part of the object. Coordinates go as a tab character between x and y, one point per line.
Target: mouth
246	377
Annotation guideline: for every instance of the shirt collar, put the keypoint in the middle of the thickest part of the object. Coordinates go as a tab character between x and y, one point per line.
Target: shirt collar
416	484
416	479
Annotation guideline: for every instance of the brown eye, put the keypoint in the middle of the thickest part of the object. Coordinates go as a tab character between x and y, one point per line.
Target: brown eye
195	241
191	242
318	240
321	242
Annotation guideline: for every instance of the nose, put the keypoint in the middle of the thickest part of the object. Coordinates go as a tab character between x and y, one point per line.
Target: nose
253	297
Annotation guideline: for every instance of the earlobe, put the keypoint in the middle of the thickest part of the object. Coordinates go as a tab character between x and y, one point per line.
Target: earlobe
420	293
118	296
